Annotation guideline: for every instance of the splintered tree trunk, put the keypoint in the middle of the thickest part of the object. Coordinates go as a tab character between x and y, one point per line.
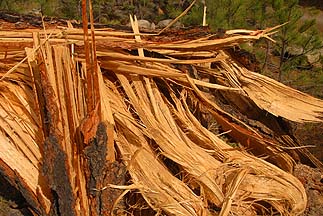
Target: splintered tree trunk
61	118
75	146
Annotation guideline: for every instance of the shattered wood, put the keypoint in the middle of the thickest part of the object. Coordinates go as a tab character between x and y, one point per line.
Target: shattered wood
94	125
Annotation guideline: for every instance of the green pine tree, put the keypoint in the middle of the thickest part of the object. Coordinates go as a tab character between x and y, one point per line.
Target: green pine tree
295	41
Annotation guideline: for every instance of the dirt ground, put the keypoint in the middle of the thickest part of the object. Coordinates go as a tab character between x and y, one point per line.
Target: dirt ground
312	180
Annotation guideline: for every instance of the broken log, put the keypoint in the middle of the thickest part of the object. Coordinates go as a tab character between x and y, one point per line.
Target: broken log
88	123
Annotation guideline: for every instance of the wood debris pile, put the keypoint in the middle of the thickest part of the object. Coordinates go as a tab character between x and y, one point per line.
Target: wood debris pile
121	124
